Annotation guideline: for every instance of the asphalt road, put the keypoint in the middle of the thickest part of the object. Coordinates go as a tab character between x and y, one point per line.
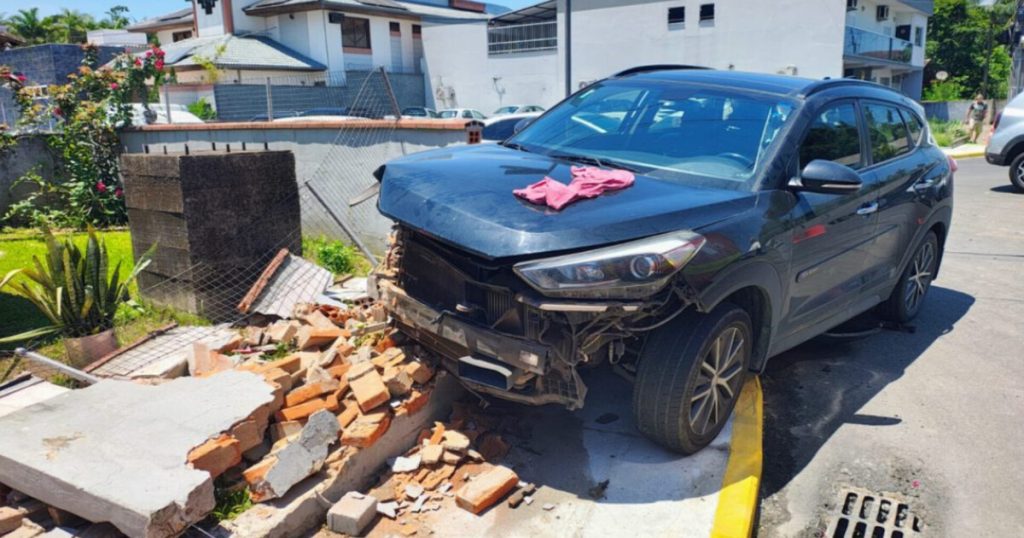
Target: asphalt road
935	417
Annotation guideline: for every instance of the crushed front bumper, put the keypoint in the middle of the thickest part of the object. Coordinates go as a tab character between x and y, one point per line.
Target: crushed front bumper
486	360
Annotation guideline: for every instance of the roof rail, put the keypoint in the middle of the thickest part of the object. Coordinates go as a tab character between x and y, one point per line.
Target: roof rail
656	67
827	83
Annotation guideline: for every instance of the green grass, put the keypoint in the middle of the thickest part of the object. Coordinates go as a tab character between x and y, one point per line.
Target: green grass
17	247
947	133
336	256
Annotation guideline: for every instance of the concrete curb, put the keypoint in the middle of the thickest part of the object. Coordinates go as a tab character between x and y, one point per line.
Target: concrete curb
963	154
738	499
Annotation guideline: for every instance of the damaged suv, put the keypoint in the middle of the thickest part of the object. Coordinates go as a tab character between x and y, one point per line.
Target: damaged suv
765	210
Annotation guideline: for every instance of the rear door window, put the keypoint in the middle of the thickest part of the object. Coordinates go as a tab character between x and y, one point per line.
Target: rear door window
886	131
833	136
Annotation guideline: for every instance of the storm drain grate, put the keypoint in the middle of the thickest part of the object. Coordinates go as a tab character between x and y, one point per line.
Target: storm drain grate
863	514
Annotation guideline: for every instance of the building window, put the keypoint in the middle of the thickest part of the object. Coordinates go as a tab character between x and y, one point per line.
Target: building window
395	28
919	36
355	34
179	36
707	12
676	15
417	31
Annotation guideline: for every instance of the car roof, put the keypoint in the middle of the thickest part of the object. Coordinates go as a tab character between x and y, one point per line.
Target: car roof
507	117
761	82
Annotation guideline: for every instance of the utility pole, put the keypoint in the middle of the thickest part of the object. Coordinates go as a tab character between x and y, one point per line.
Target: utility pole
568	48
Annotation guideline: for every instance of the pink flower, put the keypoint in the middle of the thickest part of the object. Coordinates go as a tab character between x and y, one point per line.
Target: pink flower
100	187
138	62
159	65
118	192
149	53
113	86
57	111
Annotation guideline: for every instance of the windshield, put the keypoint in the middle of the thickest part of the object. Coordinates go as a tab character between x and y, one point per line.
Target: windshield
449	113
679	132
506	110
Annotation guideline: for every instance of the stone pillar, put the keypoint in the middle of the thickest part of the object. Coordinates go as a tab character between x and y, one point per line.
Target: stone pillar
216	219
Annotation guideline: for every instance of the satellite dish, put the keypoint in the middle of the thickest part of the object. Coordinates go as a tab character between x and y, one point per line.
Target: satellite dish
942	75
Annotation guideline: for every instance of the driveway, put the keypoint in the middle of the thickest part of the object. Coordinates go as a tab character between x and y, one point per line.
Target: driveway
934	417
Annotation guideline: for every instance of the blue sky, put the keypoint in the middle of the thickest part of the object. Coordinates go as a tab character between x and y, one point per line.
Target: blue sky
137	9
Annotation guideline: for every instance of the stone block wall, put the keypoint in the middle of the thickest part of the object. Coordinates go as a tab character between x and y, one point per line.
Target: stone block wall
215	219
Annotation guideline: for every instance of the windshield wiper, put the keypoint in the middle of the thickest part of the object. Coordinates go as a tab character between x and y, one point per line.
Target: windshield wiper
596	161
514	145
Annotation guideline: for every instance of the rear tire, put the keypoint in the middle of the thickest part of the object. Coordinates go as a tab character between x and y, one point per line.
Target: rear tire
904	303
1017	172
690	374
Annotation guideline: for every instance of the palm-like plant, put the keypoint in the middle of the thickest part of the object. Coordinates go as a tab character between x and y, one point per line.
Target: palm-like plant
72	288
72	25
27	24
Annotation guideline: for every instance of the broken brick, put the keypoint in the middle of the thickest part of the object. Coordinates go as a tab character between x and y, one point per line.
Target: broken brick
431	454
310	337
451	457
347	415
366	430
248	433
397	381
438	435
434	478
281	430
343	347
10	519
202	361
486	489
385	343
455	441
308	392
419	371
339	371
302	410
283	331
319	320
280	377
216	455
417	400
390	357
367	386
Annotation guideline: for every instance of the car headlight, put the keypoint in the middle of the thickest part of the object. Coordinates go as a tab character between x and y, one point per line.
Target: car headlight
629	270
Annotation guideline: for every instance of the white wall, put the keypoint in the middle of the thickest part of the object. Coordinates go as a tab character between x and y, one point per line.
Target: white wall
768	36
212	24
456	60
865	18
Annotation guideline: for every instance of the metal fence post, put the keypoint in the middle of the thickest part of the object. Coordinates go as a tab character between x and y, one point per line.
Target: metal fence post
391	93
167	102
270	102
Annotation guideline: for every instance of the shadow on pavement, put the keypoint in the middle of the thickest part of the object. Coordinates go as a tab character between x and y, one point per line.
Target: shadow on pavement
1006	188
813	389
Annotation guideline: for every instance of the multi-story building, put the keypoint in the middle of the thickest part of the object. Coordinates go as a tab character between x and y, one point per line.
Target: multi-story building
532	55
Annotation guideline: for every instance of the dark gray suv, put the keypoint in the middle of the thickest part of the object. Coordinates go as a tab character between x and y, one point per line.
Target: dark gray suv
765	210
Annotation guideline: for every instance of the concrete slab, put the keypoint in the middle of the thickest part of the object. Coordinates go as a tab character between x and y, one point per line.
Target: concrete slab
650	491
25	392
305	506
116	451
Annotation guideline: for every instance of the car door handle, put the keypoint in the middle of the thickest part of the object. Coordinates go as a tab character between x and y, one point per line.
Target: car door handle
867	209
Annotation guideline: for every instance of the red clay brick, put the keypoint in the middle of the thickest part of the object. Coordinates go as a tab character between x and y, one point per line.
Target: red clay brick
367	386
216	455
366	430
486	489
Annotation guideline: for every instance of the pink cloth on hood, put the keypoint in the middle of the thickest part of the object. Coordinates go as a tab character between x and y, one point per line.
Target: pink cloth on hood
587	182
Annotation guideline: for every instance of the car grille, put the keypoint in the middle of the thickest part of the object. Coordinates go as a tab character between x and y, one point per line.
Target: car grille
454	282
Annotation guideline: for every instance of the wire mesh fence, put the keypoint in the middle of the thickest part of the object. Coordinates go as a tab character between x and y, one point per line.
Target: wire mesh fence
217	287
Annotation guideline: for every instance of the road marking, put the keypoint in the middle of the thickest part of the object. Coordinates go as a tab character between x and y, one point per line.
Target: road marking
737	501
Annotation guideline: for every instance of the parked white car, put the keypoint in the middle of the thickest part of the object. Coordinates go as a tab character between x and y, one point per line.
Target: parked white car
499	128
517	109
463	113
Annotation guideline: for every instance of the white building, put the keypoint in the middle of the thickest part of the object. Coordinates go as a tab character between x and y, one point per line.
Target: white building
254	39
520	56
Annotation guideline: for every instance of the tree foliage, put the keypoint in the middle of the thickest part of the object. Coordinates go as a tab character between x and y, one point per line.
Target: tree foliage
68	26
959	35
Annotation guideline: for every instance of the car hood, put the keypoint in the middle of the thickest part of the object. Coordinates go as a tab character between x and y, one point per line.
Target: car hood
463	197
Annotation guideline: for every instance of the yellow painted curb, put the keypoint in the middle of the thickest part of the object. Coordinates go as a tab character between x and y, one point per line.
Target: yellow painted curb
737	501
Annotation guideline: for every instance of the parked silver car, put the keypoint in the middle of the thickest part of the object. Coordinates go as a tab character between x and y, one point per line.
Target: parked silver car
1006	146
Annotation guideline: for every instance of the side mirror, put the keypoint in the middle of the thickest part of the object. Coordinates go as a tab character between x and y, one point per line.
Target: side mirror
521	125
827	177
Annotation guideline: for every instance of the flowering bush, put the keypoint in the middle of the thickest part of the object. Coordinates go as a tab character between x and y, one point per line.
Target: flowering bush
86	114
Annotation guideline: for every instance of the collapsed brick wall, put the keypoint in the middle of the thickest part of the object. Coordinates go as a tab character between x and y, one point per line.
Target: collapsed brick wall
215	219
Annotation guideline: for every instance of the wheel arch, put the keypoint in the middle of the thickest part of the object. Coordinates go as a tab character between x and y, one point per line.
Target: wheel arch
757	289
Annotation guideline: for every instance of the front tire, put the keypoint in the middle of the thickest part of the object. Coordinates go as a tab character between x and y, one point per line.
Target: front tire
690	374
1017	172
904	304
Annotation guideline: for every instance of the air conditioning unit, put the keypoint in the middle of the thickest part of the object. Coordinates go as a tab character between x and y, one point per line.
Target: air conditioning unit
851	5
882	13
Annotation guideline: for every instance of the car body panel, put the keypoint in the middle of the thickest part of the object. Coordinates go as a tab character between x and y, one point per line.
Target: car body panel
468	202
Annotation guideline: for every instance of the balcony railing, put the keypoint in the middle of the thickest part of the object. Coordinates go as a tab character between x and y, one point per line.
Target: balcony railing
513	38
872	45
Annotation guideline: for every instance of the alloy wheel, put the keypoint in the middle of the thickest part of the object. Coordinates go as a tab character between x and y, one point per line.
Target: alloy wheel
920	277
1020	171
718	380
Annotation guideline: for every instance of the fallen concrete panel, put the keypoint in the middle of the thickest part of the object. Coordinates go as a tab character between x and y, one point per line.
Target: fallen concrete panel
162	355
304	507
116	451
26	391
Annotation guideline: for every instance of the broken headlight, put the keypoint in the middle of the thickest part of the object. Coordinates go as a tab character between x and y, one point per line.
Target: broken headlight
629	270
